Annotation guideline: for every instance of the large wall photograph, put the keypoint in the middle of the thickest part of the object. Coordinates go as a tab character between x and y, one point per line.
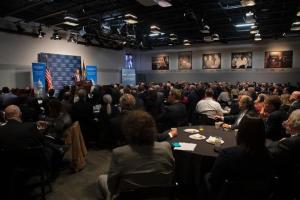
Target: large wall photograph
160	63
241	60
211	61
279	59
185	60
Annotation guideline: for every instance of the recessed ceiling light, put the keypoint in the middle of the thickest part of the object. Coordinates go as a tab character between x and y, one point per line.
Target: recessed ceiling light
70	23
296	23
295	28
246	3
130	19
244	25
163	3
187	44
254	31
257	39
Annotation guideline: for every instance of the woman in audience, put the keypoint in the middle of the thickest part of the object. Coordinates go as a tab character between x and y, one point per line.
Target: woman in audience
259	102
248	160
141	163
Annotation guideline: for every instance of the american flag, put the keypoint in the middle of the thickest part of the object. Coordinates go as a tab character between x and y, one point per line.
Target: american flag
48	77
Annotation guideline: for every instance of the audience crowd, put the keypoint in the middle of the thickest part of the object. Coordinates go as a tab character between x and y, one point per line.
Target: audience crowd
137	120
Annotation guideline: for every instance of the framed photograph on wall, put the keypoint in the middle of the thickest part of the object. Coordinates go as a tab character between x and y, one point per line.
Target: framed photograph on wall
160	63
211	61
241	60
278	59
185	60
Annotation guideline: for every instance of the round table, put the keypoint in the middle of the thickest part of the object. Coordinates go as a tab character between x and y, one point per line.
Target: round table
203	148
191	166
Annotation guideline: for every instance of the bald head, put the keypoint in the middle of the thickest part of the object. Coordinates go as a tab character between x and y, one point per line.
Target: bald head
295	96
12	112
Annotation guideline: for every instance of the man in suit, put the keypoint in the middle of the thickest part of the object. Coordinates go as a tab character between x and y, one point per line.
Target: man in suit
16	135
286	156
174	114
295	101
246	108
142	163
82	111
15	140
274	116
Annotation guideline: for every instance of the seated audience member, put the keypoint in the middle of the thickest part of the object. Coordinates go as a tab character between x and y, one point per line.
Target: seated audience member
274	116
141	163
82	111
246	108
7	98
286	156
224	97
57	121
208	106
259	102
295	101
248	160
15	139
285	102
174	114
15	134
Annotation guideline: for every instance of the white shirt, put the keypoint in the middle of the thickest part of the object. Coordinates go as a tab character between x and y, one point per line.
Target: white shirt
209	107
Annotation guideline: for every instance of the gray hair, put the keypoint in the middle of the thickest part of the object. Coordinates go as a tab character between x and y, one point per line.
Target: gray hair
294	119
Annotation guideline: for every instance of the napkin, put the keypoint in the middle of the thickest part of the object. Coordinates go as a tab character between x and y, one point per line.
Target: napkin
186	146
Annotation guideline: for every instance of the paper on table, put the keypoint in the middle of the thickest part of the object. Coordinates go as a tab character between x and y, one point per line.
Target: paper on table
186	146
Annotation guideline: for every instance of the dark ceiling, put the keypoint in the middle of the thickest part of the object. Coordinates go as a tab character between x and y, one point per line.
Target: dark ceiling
104	24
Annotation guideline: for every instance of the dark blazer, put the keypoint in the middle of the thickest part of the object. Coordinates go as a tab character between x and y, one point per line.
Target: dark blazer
173	116
232	119
286	152
237	163
17	136
294	106
273	125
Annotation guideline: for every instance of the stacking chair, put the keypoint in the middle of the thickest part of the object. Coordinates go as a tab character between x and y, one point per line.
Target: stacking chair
247	189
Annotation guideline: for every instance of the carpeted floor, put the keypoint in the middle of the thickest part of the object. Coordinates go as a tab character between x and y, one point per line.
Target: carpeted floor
81	185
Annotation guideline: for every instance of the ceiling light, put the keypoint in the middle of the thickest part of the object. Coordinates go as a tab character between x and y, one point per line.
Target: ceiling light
205	29
55	35
82	32
215	37
244	25
186	44
257	37
248	14
254	27
170	44
298	14
71	21
41	34
295	28
130	19
246	3
153	34
296	23
254	31
154	29
163	3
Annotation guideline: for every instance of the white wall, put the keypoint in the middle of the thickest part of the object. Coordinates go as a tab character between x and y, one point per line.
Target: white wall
17	52
257	73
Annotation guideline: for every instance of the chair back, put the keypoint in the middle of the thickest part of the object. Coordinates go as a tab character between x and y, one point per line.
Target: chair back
246	189
148	193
